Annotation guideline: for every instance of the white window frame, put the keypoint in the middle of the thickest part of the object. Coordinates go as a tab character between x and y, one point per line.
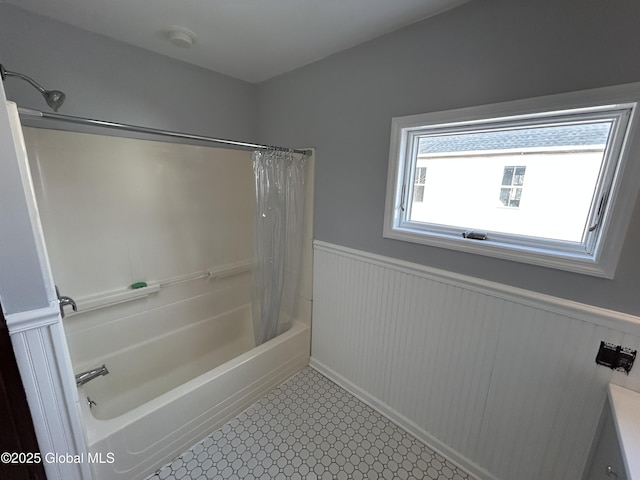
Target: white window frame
617	192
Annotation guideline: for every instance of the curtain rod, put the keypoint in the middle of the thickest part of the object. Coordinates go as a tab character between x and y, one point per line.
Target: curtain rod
152	131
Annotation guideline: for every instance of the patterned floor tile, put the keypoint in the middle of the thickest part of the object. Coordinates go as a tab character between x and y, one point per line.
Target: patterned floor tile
309	428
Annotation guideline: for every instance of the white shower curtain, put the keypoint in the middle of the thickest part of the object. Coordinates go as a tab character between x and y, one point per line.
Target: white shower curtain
280	181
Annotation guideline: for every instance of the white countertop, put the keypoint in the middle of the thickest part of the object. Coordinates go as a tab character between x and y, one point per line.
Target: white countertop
625	406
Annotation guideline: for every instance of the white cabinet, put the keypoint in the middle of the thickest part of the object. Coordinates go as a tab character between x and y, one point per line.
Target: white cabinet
616	449
606	460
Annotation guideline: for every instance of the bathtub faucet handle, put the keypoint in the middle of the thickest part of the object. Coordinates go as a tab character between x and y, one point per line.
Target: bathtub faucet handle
63	301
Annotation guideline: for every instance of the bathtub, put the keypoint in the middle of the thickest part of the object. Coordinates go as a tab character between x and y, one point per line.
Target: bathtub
159	398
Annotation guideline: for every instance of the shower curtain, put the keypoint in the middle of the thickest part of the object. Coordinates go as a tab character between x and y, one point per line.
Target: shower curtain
280	180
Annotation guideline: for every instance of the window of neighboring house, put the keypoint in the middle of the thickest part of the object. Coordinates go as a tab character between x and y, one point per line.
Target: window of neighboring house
511	190
444	169
418	184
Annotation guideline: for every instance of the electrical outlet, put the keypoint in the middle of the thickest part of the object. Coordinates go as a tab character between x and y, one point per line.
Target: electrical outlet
616	357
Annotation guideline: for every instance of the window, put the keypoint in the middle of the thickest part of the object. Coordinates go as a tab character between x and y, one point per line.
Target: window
511	190
418	184
538	181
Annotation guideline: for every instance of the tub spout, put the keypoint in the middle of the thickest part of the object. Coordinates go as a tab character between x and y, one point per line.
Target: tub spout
84	377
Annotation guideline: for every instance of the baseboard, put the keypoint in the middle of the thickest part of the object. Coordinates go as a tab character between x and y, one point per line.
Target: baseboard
474	470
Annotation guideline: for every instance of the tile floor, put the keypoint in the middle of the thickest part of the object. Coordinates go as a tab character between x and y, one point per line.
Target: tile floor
309	428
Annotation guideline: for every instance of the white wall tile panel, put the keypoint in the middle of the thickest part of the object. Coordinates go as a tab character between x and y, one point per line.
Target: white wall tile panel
502	379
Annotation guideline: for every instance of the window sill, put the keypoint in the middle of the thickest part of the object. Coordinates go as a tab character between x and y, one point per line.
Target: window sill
573	262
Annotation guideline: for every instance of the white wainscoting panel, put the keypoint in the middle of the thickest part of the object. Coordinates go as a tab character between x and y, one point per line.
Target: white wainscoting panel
43	360
501	380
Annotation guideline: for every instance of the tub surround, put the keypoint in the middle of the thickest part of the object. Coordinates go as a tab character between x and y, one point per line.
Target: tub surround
180	351
116	211
141	372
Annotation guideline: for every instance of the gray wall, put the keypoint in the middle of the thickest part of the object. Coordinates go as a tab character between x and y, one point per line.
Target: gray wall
110	80
22	286
482	52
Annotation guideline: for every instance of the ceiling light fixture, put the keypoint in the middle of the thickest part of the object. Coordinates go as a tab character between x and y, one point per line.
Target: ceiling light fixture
181	37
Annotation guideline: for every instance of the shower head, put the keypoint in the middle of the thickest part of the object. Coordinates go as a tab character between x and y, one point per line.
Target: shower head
54	98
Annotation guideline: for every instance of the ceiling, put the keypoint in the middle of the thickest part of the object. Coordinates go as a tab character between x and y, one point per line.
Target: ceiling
252	40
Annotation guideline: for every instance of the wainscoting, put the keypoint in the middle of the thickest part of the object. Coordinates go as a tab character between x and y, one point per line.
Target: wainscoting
18	434
500	380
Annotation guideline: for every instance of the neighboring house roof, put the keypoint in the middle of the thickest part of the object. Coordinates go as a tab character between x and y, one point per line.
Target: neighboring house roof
530	137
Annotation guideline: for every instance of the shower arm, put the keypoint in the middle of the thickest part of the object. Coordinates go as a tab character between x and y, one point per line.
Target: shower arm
5	73
54	98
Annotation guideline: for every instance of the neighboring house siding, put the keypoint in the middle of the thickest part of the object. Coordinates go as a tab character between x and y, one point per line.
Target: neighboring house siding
464	191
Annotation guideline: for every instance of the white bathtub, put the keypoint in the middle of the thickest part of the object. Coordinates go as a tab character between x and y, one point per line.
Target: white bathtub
146	413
